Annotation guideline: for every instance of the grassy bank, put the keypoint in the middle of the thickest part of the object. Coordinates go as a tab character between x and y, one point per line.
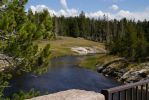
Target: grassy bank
92	61
62	45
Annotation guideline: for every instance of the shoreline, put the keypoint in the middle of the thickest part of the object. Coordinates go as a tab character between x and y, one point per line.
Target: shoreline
120	71
127	74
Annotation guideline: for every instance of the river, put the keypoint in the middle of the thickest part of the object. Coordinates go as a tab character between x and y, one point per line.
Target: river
63	74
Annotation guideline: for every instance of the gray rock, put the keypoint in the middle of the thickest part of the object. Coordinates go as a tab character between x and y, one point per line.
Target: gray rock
99	68
72	95
4	61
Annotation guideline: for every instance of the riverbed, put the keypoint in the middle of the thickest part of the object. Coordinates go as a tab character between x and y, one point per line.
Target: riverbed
63	74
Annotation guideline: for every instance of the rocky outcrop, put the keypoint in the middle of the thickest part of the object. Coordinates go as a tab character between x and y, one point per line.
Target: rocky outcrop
124	74
72	95
88	50
135	75
5	61
3	64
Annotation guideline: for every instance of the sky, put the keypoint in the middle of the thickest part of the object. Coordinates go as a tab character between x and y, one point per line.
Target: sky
131	9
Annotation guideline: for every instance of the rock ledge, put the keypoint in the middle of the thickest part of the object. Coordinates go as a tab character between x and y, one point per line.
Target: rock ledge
72	95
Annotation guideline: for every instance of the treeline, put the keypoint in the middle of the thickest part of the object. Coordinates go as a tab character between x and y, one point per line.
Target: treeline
80	27
128	38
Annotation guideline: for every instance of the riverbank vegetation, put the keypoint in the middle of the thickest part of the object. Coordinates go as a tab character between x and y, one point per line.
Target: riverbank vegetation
61	46
24	95
91	62
18	31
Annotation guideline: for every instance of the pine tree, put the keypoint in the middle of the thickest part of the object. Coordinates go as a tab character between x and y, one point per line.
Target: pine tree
82	24
18	31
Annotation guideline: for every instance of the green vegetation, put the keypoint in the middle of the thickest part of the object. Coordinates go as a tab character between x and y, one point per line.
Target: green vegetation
126	38
18	32
131	43
62	45
91	61
24	95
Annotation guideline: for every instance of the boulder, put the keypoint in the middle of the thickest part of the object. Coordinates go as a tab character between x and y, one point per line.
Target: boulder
72	95
100	68
3	62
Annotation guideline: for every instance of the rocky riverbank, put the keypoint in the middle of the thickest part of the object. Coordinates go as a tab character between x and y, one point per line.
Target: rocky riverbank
126	73
4	61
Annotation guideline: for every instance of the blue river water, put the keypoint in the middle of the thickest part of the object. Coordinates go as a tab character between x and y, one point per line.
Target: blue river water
63	74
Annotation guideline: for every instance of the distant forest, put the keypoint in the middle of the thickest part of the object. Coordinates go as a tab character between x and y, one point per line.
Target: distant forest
128	38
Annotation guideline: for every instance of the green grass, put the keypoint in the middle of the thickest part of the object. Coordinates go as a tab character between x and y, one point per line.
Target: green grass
62	45
92	61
